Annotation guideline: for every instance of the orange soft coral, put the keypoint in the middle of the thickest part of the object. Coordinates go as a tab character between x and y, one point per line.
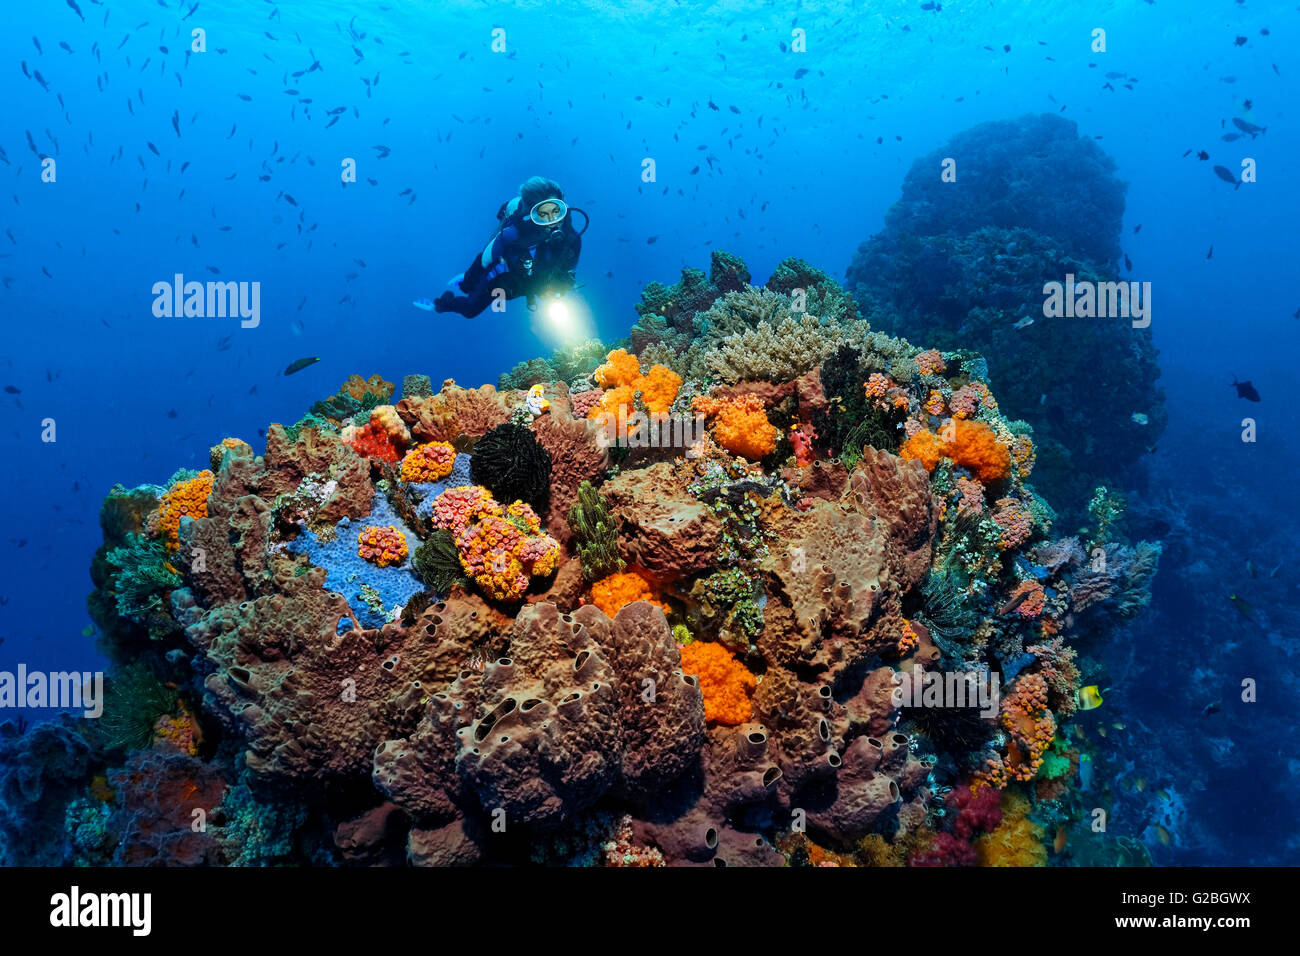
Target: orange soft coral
382	545
621	378
740	424
620	368
724	681
615	592
973	446
1017	840
428	462
659	388
185	499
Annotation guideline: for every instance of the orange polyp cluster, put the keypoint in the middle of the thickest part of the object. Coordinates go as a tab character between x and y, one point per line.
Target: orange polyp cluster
500	548
428	462
612	594
382	545
930	363
1015	523
973	446
185	499
1030	726
740	425
621	378
725	683
1033	599
908	641
1023	455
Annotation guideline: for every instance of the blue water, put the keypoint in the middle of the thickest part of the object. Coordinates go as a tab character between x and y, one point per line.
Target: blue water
584	93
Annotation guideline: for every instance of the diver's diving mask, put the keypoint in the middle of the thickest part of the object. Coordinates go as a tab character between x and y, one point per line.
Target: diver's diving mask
549	212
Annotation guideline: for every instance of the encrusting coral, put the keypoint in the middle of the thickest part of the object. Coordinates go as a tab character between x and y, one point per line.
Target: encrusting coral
400	619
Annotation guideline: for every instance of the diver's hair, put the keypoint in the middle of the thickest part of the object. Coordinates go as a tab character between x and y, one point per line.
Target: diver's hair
536	188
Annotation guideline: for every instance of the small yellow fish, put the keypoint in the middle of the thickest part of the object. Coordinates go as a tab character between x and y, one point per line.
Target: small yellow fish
1163	795
1163	835
1089	697
1102	731
1078	732
1139	784
1117	726
168	566
1061	839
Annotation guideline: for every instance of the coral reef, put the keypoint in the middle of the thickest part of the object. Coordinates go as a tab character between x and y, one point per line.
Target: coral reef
457	630
965	268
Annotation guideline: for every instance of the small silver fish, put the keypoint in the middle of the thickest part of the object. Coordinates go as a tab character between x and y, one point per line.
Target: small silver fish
1024	323
1140	419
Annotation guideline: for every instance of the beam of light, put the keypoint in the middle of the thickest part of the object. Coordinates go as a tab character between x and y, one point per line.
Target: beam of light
563	322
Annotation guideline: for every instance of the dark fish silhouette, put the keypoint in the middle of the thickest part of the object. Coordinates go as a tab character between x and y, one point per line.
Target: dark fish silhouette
13	390
1202	155
1250	129
76	9
301	364
1226	175
1128	264
1245	390
1210	254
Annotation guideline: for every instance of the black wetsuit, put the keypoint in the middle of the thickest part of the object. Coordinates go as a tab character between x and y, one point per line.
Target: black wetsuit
523	259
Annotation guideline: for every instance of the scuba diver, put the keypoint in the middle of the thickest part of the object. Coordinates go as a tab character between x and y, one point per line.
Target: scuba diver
534	252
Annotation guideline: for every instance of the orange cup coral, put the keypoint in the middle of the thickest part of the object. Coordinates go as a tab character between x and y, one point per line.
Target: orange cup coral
382	545
185	499
725	683
428	462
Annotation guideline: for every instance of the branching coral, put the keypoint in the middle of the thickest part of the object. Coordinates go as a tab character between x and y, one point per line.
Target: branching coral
726	683
740	425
